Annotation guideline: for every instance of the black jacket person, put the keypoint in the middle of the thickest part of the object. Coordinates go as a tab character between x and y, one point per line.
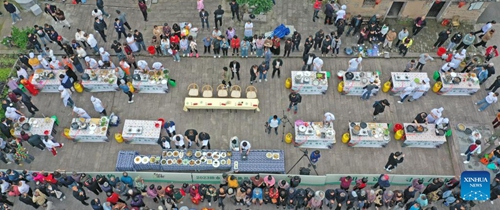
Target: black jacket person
393	160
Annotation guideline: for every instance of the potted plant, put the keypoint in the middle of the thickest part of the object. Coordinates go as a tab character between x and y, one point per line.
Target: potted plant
257	6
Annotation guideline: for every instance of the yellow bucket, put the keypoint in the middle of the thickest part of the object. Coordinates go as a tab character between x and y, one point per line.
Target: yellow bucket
12	131
288	138
288	83
345	138
78	87
66	134
118	137
340	87
387	87
399	134
437	86
131	87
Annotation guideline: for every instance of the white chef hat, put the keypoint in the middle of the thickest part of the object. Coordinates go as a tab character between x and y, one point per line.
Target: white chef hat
441	109
53	58
40	57
32	55
92	98
446	120
75	109
122	81
372	80
87	59
101	50
344	7
463	51
100	63
60	88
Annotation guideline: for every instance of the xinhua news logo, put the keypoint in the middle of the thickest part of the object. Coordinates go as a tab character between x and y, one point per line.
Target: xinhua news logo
475	185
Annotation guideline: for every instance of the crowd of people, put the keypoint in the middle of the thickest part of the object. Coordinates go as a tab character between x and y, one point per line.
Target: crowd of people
43	188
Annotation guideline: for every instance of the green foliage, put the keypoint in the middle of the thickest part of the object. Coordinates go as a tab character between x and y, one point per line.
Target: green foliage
4	74
261	6
20	37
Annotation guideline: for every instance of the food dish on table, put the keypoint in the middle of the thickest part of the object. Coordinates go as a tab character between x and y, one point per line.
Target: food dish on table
179	161
169	154
198	162
209	161
137	159
269	155
191	163
228	161
197	154
176	153
276	156
170	162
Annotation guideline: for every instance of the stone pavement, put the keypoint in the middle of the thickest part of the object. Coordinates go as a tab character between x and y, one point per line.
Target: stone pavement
247	125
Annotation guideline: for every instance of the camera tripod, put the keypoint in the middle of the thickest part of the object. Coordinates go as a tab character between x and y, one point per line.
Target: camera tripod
284	121
305	154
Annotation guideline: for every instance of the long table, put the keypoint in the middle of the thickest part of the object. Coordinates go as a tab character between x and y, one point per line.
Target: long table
311	85
149	133
51	85
39	126
100	134
371	136
427	139
148	87
401	80
258	162
464	88
354	87
200	165
221	103
311	139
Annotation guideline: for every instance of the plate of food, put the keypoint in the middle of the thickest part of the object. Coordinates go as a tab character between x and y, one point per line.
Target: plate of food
204	153
137	160
169	154
216	164
197	154
185	162
209	161
170	162
223	162
209	154
198	162
235	165
269	155
215	156
223	155
229	154
228	161
164	153
276	156
203	159
179	161
164	161
175	154
152	159
189	153
144	160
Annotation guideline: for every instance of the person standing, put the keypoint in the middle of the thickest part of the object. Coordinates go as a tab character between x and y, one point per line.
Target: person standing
204	138
491	52
418	24
123	19
405	45
139	40
379	107
382	182
401	35
144	9
288	47
62	18
254	72
204	19
28	103
393	161
119	28
389	38
100	6
273	122
329	13
455	39
467	41
199	5
98	105
14	12
487	101
32	39
51	145
485	28
314	157
423	60
245	46
317	64
100	26
263	71
442	37
124	87
355	64
192	136
294	98
277	64
226	77
486	37
474	148
496	84
235	69
296	37
218	16
51	10
79	194
235	9
317	7
410	66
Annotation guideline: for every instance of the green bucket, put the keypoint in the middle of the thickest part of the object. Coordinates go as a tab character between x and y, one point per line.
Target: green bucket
172	82
448	133
328	74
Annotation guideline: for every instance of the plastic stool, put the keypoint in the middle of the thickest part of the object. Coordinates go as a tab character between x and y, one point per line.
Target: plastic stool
56	121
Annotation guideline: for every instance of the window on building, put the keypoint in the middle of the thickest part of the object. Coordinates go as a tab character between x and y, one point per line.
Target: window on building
368	3
475	5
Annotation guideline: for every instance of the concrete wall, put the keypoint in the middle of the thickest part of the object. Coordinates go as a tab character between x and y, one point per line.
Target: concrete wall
414	8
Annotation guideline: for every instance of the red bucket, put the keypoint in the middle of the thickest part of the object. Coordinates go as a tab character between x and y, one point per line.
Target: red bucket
397	127
151	50
441	51
162	121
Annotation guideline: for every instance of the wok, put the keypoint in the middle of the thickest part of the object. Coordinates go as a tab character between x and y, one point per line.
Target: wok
468	131
26	126
75	126
410	128
362	125
440	132
349	75
137	77
456	80
352	124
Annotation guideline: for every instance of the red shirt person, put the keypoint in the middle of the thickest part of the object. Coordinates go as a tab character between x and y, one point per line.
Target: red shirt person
491	52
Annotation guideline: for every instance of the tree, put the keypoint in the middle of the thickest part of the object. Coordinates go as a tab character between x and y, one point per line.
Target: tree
259	6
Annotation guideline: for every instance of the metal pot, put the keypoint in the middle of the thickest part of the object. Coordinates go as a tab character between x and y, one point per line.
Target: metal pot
85	76
75	126
356	129
26	126
352	124
440	132
468	131
349	75
363	125
456	80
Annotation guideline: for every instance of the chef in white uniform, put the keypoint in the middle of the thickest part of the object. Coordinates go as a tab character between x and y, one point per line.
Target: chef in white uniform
98	106
354	64
143	65
81	112
328	118
435	114
458	58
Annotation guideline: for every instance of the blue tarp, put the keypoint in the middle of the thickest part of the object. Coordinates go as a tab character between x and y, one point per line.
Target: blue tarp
281	31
